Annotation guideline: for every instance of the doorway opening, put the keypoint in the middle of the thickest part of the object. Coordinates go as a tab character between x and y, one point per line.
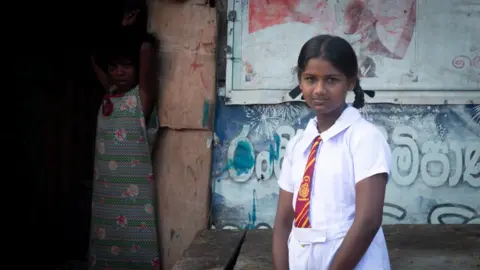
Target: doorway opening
61	97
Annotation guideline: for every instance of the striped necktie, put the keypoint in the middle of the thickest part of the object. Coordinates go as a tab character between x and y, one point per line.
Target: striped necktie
302	206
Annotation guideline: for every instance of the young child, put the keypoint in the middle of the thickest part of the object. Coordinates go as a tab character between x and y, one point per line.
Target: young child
134	24
333	179
123	232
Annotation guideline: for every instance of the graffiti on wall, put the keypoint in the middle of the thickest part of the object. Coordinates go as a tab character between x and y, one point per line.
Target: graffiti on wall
435	176
378	27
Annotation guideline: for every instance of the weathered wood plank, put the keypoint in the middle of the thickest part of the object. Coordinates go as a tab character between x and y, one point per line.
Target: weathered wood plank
182	163
187	34
211	249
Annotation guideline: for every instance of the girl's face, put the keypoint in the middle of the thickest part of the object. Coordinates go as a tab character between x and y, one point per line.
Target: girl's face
123	75
130	17
323	86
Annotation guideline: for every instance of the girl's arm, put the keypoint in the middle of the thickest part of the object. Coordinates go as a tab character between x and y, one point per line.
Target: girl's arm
371	157
101	75
285	214
370	194
281	230
147	78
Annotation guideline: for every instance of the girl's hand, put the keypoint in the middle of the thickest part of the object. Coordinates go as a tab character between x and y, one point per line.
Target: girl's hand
130	17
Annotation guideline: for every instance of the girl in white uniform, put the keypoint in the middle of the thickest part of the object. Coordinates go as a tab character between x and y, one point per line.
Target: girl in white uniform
333	179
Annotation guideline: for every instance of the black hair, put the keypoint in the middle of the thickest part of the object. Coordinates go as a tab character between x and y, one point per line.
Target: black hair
130	5
339	53
121	48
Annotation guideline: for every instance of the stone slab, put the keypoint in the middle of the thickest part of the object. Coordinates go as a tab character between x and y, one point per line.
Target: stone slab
211	249
256	251
433	247
422	247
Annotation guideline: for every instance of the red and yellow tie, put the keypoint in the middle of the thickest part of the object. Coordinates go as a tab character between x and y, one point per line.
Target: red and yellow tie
302	206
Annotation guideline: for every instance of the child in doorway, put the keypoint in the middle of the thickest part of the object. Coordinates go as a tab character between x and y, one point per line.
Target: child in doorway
134	23
333	179
123	232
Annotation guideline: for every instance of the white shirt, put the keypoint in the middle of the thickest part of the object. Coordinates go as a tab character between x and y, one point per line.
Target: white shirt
352	150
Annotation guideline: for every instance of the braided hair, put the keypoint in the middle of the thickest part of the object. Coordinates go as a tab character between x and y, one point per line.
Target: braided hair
359	100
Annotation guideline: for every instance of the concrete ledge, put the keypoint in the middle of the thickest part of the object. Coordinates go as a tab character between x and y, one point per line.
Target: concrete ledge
211	249
256	251
422	247
434	247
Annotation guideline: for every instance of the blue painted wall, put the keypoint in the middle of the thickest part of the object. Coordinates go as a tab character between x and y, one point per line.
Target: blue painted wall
435	168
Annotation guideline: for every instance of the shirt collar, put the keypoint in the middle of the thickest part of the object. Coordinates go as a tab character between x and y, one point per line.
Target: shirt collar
349	116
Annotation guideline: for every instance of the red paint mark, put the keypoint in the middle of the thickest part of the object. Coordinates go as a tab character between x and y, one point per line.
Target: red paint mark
392	32
386	26
263	14
202	79
321	5
386	19
463	61
196	65
248	68
476	62
356	16
404	38
459	62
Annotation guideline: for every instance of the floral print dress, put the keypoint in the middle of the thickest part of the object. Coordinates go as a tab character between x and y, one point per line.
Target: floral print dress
123	232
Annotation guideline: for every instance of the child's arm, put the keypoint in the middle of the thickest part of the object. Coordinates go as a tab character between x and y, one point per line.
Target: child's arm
369	201
371	162
285	214
147	78
101	75
281	230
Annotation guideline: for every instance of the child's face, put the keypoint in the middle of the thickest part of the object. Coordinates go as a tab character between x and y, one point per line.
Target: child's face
129	17
323	86
123	75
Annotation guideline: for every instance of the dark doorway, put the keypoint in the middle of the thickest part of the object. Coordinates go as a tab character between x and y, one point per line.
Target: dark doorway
61	97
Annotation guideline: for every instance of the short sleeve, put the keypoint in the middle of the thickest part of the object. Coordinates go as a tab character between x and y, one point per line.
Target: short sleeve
371	154
285	181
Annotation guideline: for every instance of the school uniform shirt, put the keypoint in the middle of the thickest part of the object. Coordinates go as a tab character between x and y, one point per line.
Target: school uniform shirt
352	150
